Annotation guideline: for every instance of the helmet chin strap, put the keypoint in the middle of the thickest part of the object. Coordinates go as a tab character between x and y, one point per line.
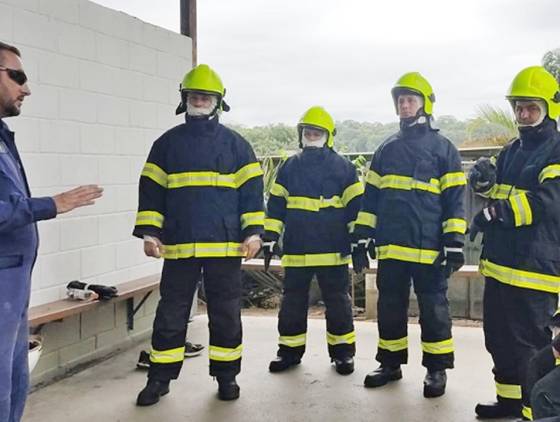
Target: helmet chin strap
419	119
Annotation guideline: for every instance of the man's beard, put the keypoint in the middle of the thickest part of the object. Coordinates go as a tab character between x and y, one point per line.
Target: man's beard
10	110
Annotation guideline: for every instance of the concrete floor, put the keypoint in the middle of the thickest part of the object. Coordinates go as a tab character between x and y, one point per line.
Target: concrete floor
311	392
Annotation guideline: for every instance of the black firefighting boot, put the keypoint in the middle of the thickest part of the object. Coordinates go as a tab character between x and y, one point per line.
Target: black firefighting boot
281	363
500	409
344	365
382	376
227	388
152	392
434	383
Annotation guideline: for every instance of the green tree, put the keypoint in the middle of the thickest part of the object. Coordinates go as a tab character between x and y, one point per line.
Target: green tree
551	62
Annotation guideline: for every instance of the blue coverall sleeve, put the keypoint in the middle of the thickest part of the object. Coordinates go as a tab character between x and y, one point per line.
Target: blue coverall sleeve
17	210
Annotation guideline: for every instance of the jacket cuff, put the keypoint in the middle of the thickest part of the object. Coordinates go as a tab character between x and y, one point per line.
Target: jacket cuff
270	236
453	239
251	230
43	208
140	232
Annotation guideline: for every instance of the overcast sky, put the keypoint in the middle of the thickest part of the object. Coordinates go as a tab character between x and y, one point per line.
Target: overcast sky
277	58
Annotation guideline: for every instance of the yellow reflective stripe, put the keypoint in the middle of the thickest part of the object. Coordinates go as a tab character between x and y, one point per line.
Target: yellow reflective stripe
557	361
393	345
522	214
520	278
394	181
293	341
549	172
203	250
366	219
527	412
503	191
450	180
279	190
252	219
273	225
402	253
351	192
455	225
333	339
314	260
167	356
373	178
154	172
149	218
438	347
313	204
508	391
351	226
224	354
247	172
200	178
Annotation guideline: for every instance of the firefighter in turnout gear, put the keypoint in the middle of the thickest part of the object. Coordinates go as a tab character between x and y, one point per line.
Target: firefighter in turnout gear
413	212
521	245
201	209
314	203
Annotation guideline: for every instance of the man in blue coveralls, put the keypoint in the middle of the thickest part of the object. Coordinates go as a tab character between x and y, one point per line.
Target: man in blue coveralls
18	238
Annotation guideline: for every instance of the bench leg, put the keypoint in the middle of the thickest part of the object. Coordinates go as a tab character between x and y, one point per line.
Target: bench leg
131	310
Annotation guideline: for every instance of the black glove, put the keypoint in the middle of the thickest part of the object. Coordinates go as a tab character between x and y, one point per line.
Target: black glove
371	249
104	292
453	259
555	320
482	175
481	221
270	248
359	251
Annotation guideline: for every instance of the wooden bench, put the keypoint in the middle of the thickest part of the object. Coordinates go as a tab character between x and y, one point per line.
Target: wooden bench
64	308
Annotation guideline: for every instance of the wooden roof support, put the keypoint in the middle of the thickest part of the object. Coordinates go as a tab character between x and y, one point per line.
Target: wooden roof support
188	24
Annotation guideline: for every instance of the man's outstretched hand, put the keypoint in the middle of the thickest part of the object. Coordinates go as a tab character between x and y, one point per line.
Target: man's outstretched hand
77	197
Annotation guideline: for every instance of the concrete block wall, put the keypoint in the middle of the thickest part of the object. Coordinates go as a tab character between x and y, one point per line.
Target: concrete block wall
104	87
91	335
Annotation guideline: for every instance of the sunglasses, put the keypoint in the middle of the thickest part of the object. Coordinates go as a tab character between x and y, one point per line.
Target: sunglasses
18	76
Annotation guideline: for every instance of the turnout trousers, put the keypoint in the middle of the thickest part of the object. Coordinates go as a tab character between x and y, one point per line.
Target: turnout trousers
222	284
334	283
515	329
393	283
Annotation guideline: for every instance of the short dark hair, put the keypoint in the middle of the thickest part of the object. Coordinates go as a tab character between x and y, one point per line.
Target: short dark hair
8	47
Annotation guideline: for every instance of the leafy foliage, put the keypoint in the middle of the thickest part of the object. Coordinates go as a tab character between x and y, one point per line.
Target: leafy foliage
489	127
497	126
551	62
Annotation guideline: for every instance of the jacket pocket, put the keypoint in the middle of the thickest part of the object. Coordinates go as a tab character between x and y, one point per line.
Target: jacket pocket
541	250
233	228
169	232
425	170
10	261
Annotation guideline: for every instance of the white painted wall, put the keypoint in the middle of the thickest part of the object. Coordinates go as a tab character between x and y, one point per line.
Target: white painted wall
104	87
